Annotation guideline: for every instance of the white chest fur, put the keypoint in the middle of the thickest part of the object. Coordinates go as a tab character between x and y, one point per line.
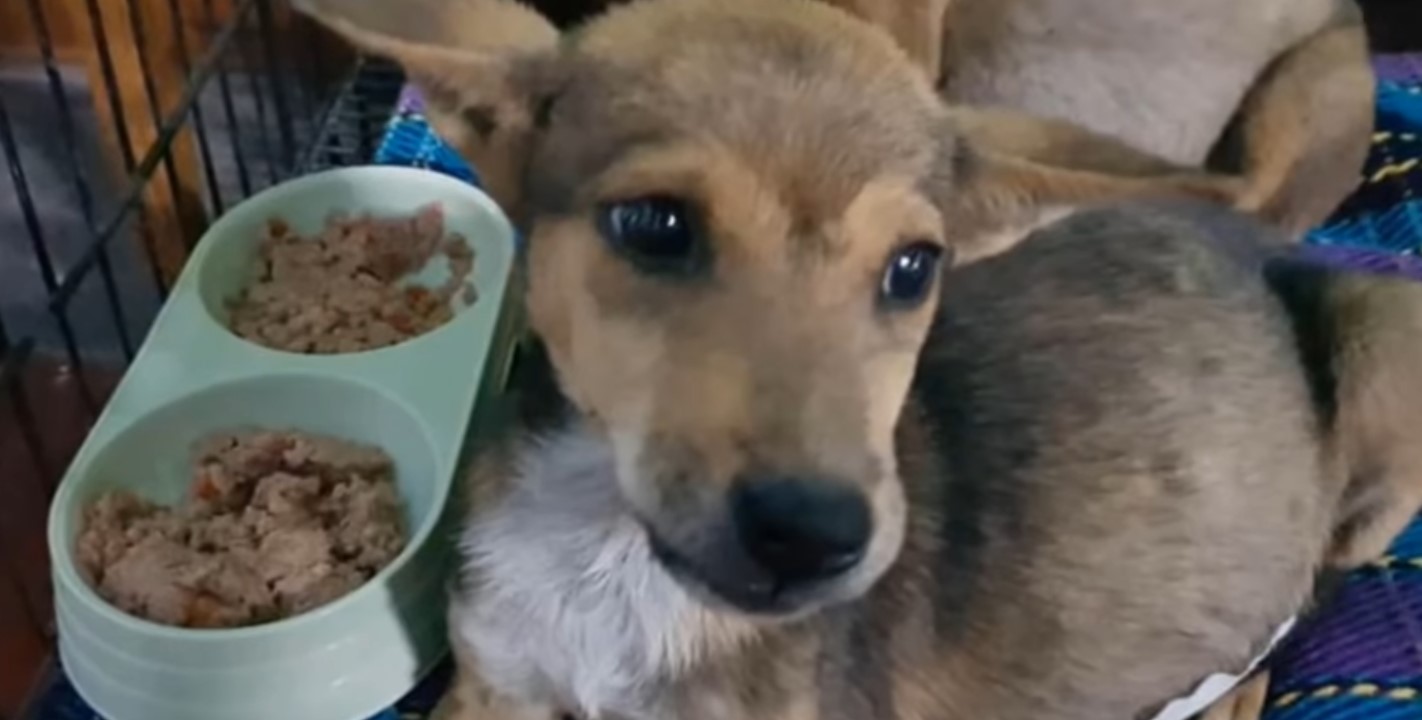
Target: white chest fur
568	606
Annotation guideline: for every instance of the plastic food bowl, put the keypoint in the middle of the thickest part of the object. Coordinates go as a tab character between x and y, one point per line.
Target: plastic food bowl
420	401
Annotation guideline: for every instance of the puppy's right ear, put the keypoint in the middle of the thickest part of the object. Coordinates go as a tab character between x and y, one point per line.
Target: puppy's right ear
1008	173
478	63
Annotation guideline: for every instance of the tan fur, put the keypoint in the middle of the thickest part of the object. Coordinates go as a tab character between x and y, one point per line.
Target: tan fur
1056	143
1303	130
1067	519
464	53
1379	345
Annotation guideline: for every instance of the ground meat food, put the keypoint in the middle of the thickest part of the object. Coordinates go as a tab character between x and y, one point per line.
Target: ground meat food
275	524
343	291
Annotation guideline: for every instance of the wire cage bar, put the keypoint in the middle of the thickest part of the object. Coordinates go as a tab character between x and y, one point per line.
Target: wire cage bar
126	127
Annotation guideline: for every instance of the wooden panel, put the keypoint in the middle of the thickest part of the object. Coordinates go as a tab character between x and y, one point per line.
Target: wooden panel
69	25
174	213
62	420
17	35
173	210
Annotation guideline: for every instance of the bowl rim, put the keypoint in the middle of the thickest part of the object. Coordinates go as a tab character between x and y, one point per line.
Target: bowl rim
444	189
64	568
67	497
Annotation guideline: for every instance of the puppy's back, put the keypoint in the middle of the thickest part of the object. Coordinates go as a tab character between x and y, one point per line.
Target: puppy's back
1137	494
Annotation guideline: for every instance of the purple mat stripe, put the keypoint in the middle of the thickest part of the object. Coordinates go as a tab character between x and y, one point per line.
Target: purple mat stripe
1367	260
1370	633
1402	67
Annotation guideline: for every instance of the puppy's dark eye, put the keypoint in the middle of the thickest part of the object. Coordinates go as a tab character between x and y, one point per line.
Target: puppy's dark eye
909	275
658	233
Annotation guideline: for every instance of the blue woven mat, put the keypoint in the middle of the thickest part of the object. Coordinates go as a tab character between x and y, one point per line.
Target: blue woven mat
1359	660
409	141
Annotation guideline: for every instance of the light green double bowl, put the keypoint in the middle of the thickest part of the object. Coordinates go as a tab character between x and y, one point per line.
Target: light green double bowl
422	401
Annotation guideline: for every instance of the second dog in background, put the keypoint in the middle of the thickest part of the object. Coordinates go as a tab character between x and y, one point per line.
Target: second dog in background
1277	92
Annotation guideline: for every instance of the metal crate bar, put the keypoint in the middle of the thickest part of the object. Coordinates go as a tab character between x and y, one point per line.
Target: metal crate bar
286	129
260	103
137	25
138	180
214	189
81	184
121	131
36	236
234	128
363	103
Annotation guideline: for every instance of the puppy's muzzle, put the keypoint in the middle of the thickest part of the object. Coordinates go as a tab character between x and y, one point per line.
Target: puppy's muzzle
784	543
801	531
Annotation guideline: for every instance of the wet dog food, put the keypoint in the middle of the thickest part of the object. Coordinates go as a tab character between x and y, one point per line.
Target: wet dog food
345	289
275	524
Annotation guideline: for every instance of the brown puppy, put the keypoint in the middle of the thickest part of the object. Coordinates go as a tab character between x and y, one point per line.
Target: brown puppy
1280	91
764	474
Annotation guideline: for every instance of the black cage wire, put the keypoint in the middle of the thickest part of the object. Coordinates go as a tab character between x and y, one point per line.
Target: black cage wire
261	97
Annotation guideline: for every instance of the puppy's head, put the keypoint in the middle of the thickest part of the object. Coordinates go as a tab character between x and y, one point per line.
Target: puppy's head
737	212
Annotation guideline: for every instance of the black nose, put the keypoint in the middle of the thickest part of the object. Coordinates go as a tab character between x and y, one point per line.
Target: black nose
801	530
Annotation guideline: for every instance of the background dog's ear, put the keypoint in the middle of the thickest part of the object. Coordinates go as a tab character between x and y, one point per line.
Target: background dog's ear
1010	173
477	61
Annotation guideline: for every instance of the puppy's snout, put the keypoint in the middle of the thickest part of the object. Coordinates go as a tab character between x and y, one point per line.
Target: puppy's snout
801	530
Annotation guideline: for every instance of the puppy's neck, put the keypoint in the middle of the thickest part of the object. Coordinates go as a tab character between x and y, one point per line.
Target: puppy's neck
566	598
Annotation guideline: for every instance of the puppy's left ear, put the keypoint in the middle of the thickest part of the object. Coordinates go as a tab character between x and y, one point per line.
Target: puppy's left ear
1004	174
480	64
